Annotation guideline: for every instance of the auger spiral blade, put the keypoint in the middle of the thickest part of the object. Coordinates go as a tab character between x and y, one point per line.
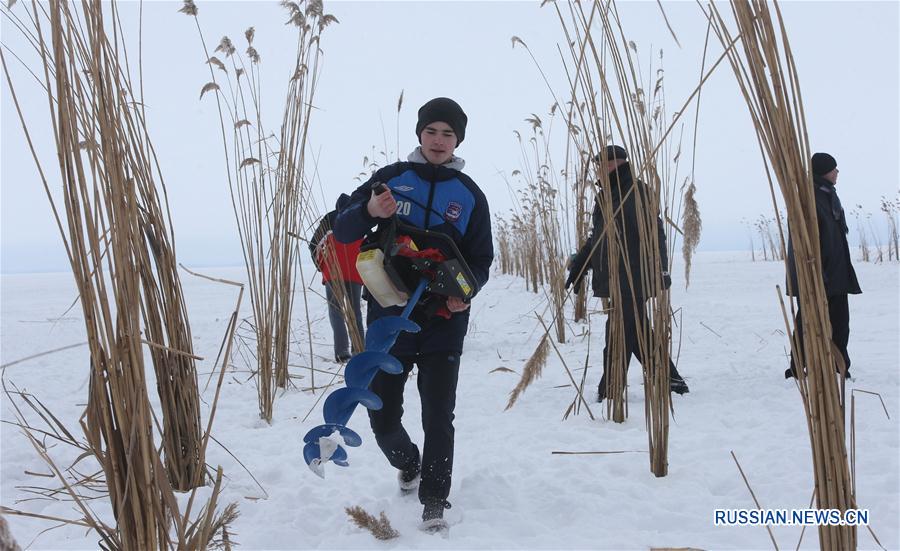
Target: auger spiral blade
382	334
317	453
320	446
363	367
350	437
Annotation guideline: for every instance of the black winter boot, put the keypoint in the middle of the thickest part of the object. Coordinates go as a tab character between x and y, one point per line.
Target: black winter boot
677	384
433	518
409	479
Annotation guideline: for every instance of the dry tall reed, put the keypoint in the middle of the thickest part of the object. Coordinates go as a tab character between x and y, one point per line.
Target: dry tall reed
532	241
869	241
861	219
772	247
768	77
891	209
163	312
605	78
541	239
267	180
602	103
115	234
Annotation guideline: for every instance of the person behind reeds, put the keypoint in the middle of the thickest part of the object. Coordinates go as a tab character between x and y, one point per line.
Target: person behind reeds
431	193
837	268
614	160
337	262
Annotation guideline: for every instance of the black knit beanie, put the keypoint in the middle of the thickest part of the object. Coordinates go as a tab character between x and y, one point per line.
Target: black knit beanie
822	164
616	152
443	110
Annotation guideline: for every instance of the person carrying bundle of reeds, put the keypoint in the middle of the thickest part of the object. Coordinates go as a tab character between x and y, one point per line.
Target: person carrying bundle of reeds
428	191
343	285
594	256
837	268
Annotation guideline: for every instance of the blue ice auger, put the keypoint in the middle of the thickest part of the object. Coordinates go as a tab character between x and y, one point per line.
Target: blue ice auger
392	269
340	404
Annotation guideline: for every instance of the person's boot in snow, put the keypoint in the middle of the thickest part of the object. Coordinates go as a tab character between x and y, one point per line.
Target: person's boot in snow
433	518
601	389
677	384
790	374
409	479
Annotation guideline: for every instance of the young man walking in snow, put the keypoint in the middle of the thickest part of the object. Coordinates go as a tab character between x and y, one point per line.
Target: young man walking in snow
427	191
614	160
837	268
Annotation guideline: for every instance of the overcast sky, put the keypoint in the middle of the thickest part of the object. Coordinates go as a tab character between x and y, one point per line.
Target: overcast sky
847	53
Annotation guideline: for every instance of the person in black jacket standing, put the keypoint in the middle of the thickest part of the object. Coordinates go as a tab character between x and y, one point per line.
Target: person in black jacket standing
837	268
427	191
631	270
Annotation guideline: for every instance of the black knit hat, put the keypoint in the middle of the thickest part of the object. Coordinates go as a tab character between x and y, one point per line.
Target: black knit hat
822	164
616	152
443	110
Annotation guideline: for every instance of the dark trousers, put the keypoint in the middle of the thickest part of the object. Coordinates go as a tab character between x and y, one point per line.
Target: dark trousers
839	314
633	326
437	379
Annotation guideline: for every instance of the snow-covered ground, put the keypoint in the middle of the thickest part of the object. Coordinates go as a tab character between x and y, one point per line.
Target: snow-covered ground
509	491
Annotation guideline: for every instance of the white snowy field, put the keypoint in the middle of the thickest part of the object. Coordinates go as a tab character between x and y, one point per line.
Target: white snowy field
509	491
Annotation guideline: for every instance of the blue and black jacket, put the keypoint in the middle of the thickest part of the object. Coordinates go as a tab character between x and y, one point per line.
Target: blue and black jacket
437	198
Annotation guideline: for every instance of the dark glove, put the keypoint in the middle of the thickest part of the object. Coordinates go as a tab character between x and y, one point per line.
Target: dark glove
667	280
573	279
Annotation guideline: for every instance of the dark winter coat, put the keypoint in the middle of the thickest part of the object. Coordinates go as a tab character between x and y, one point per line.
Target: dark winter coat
837	268
437	198
626	222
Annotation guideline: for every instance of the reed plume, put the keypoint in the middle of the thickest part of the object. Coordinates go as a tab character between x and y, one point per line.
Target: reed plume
692	225
532	371
379	527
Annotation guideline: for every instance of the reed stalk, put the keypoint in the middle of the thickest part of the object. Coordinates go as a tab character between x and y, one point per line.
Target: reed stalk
861	229
891	210
539	231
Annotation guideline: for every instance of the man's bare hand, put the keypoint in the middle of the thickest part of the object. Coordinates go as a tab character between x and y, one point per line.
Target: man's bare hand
382	206
455	304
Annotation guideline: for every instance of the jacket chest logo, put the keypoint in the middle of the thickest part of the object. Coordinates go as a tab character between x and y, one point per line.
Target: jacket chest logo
453	212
